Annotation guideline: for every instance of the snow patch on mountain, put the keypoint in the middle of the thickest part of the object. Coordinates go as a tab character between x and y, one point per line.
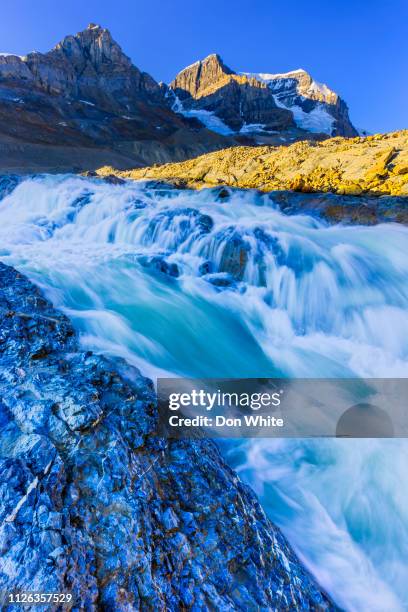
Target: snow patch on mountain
321	88
266	77
210	120
317	121
249	128
288	78
207	118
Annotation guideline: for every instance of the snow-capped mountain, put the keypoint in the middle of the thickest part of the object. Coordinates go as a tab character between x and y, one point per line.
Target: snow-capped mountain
84	104
315	107
259	102
209	88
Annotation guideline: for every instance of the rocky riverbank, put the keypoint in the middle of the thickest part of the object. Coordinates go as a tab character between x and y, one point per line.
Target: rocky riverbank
375	165
94	503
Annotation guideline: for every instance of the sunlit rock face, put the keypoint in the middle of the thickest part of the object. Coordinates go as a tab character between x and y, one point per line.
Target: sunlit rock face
95	504
258	102
93	66
90	69
371	166
237	99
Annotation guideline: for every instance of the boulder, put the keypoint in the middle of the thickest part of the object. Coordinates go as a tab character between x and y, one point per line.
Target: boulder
95	504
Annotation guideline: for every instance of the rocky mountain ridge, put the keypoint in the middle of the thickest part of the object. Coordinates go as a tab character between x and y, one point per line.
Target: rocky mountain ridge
314	105
92	66
85	104
236	99
85	101
262	103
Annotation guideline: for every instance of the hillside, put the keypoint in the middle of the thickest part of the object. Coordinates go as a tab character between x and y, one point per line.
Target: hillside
374	165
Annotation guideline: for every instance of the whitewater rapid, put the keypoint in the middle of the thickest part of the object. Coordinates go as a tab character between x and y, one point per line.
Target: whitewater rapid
190	284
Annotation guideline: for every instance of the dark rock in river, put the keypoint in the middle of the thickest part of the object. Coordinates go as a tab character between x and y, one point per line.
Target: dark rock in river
111	179
221	194
235	254
8	183
159	264
220	280
350	210
94	503
207	267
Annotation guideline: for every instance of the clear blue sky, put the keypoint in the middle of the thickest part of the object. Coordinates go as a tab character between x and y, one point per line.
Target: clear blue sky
358	47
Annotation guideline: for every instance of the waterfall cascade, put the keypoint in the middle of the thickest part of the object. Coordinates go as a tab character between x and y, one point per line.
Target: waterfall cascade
195	284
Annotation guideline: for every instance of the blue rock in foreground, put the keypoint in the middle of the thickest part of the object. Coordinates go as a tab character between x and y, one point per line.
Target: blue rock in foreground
93	503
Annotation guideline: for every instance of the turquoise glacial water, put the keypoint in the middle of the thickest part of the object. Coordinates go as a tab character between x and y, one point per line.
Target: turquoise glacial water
180	283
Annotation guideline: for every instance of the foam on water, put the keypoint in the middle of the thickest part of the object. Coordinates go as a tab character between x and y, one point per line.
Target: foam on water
257	294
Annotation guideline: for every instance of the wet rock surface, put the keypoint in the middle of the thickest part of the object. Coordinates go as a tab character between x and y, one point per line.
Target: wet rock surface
8	182
350	210
235	253
159	264
94	503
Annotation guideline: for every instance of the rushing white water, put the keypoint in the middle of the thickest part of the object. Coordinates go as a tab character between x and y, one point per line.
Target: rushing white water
188	284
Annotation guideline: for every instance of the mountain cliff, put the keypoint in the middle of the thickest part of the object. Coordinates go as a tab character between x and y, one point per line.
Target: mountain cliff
211	86
314	105
262	102
86	93
84	104
92	66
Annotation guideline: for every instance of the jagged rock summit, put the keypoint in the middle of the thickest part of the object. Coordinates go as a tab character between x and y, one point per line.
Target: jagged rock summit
89	65
238	100
92	66
85	102
262	102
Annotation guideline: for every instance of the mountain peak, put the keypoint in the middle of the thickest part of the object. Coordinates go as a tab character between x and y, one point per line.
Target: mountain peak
254	97
90	65
213	57
94	47
196	78
216	60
